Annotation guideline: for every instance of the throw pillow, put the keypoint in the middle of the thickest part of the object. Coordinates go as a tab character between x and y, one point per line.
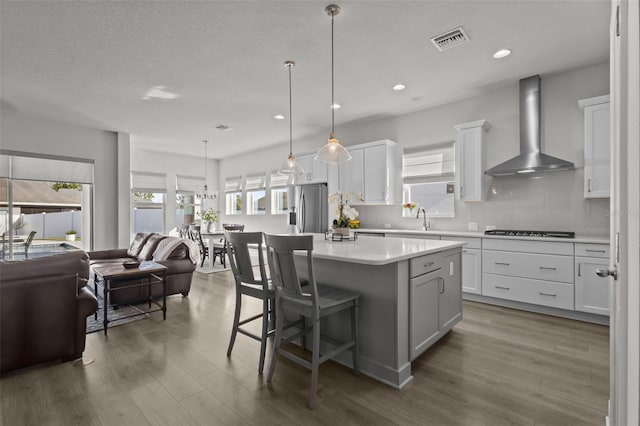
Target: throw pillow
149	247
137	243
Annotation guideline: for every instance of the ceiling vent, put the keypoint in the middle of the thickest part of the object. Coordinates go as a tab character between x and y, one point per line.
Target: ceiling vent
451	38
224	128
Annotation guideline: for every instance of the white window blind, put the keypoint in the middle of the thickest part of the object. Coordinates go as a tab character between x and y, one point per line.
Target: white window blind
189	184
47	169
433	163
278	180
148	182
233	184
255	181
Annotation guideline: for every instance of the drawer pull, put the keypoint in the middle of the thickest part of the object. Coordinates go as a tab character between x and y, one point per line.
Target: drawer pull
549	268
502	288
595	251
502	263
548	294
426	265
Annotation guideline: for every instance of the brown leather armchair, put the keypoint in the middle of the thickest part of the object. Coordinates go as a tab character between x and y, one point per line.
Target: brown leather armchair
44	306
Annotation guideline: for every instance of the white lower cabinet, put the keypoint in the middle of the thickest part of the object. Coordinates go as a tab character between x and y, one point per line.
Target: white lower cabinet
537	292
435	295
472	271
592	291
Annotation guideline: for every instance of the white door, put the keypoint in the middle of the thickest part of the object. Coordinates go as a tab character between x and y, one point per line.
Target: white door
625	208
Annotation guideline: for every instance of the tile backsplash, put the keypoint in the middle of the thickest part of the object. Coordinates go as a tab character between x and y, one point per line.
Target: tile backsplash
552	201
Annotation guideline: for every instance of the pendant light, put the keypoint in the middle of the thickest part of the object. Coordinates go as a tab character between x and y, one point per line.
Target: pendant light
205	194
332	152
290	167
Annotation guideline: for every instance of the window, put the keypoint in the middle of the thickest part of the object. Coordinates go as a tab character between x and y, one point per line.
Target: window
233	195
188	206
427	177
256	194
279	193
148	193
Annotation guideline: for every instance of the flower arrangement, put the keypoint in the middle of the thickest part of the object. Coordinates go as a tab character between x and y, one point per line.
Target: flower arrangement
210	215
410	206
345	215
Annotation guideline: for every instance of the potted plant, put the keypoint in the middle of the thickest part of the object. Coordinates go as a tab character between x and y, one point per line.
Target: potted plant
344	213
71	235
209	217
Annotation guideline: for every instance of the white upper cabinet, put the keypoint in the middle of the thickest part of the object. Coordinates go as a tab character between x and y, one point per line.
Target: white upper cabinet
351	176
470	145
597	143
369	177
314	171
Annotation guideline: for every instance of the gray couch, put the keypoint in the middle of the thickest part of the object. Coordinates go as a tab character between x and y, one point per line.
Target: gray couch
145	246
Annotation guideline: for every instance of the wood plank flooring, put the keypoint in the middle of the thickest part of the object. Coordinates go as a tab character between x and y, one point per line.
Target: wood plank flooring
497	367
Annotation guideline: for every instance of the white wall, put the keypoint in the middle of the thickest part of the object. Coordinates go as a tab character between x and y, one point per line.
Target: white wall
26	133
547	202
172	164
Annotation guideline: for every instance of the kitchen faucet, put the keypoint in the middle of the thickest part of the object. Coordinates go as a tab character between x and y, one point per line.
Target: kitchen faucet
426	224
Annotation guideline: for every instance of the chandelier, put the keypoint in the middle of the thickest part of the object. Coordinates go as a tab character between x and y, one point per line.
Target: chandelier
205	194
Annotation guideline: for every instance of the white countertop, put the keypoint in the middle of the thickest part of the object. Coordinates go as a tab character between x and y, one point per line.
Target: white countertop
377	251
478	234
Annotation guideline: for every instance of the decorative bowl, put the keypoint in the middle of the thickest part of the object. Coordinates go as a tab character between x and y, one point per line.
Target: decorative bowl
130	265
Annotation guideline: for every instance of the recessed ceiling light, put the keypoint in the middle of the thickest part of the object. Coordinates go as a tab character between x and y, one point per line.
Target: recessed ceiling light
399	87
159	93
335	106
279	117
502	53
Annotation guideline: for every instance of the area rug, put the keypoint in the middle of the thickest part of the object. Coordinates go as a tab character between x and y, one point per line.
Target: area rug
115	316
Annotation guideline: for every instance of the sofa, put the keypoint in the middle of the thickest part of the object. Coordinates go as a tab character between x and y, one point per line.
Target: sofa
177	254
44	305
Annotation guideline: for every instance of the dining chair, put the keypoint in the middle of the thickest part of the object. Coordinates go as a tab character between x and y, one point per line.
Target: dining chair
220	248
247	284
312	301
194	231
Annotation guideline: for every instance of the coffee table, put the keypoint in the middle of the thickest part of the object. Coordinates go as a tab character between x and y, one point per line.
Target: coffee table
149	273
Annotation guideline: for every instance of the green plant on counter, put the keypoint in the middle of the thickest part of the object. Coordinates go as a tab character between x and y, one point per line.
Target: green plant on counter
71	232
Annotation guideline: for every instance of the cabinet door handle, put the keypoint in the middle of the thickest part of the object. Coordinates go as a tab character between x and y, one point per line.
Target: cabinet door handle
580	269
595	251
502	263
548	294
502	288
461	191
548	268
441	279
588	185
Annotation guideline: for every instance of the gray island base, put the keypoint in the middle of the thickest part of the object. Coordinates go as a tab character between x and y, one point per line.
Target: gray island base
410	297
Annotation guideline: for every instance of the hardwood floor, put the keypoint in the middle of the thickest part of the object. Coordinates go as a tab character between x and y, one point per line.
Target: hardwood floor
497	367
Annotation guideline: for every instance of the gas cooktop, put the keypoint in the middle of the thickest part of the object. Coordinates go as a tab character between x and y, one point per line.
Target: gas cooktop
520	233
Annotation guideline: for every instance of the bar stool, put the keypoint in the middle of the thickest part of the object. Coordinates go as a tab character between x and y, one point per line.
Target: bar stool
247	284
314	303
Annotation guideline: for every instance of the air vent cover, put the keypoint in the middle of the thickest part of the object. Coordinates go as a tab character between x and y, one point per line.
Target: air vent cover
451	38
224	128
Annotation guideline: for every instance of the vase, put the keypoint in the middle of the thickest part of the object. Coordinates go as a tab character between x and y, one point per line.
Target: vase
211	227
71	237
342	231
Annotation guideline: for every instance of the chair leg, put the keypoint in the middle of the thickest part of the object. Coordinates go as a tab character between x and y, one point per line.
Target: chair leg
265	329
303	338
236	321
276	344
202	261
315	363
354	334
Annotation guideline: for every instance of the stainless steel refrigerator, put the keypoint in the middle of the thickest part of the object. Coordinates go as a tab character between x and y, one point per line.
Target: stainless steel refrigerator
312	205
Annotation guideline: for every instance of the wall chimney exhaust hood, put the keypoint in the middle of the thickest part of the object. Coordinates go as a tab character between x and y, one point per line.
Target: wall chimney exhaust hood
530	160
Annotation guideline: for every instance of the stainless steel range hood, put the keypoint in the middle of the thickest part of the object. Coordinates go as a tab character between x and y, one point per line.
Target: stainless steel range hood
530	160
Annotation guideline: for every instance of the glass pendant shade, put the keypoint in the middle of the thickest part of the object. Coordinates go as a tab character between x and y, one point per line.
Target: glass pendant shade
333	152
291	167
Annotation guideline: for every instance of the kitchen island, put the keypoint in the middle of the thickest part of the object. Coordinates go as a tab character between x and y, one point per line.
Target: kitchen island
410	297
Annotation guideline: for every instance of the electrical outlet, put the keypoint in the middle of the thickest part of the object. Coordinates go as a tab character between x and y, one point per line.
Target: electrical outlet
387	226
490	228
473	226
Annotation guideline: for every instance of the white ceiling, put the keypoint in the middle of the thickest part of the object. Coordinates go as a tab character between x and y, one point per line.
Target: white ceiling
91	63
